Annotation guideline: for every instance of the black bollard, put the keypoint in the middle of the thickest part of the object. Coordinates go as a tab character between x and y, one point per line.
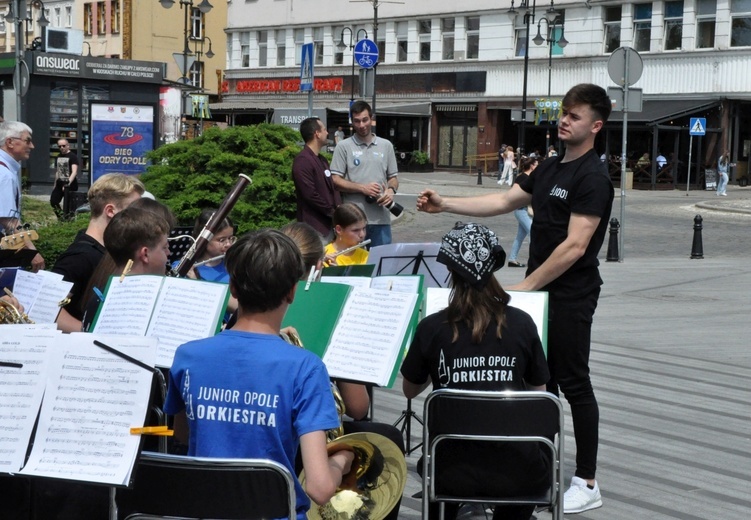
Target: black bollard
613	241
697	249
479	176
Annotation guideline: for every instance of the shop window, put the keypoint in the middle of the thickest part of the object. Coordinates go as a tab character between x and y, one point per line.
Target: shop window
472	25
706	17
101	18
740	28
402	43
642	27
612	24
115	17
318	45
673	25
245	49
299	40
88	19
263	47
447	37
281	47
424	29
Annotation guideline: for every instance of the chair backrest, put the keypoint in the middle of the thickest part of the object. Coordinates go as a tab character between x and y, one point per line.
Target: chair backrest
192	487
507	416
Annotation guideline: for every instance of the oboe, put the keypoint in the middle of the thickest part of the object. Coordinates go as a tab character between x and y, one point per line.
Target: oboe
207	233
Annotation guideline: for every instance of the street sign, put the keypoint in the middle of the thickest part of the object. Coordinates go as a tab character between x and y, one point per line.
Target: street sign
366	53
306	68
697	126
616	96
180	60
617	63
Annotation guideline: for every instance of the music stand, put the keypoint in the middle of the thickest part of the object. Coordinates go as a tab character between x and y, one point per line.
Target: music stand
396	259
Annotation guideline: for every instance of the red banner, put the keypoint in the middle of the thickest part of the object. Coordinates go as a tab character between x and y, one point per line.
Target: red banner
273	86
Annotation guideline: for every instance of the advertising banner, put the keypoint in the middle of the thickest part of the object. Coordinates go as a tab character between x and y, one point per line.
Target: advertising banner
120	137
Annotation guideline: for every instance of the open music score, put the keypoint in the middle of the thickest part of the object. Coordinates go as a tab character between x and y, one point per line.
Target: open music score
173	310
40	293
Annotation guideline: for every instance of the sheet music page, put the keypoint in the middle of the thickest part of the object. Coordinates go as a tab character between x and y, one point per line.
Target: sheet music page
369	335
436	299
185	310
535	304
127	305
27	287
405	283
22	389
354	281
93	398
46	308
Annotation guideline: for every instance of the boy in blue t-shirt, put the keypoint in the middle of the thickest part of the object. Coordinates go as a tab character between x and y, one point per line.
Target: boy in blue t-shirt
246	393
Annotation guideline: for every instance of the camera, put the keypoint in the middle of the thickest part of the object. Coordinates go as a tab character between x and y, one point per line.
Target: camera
395	208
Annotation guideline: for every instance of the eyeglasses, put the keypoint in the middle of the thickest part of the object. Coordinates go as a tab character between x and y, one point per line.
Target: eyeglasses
227	240
27	140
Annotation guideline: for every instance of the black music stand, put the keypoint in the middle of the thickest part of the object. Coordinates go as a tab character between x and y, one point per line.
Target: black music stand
396	259
406	426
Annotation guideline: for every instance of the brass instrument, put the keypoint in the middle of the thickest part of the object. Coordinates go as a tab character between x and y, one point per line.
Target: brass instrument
9	315
379	472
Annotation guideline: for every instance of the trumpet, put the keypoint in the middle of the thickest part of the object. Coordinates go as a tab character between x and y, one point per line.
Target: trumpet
379	472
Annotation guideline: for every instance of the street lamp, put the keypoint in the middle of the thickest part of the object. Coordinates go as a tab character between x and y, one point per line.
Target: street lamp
11	16
187	5
351	45
529	18
552	20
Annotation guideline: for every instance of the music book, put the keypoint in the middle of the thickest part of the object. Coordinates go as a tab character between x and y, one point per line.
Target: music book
399	283
360	333
173	310
86	399
534	303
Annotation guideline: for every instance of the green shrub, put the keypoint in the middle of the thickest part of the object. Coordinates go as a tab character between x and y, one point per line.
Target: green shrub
190	176
55	237
419	157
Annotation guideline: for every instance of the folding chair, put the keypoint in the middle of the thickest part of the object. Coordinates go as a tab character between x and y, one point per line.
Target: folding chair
507	416
192	488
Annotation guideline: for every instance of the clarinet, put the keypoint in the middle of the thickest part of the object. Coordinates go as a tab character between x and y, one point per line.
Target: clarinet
199	246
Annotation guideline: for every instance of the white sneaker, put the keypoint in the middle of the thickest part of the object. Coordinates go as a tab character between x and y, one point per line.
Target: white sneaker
580	498
724	194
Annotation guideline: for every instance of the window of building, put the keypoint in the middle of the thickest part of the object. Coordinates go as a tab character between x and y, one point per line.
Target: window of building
299	40
472	25
381	46
263	42
101	18
196	74
673	25
402	43
245	49
706	16
69	16
424	28
740	26
318	45
642	26
196	24
447	36
281	47
88	19
521	36
115	17
58	19
2	25
612	28
340	38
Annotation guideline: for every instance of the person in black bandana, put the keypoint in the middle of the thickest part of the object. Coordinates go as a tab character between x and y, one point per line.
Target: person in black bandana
571	197
480	343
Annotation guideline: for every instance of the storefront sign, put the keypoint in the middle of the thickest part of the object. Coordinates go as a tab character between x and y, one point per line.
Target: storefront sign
120	137
292	117
273	86
88	67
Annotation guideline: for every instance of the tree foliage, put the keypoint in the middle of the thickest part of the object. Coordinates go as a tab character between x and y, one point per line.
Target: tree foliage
189	176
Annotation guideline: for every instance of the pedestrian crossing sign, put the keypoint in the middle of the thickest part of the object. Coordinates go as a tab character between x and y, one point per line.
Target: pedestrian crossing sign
697	126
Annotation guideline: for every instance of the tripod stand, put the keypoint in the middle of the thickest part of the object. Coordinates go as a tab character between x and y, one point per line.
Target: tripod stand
406	426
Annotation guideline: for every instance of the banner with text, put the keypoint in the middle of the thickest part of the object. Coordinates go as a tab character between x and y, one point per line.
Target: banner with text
120	137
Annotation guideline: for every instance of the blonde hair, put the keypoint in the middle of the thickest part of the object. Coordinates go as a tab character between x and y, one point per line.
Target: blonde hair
112	188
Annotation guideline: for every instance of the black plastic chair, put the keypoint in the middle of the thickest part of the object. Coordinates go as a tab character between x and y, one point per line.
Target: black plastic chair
193	488
506	416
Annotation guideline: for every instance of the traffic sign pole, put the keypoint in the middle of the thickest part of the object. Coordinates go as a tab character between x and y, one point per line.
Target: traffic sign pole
696	126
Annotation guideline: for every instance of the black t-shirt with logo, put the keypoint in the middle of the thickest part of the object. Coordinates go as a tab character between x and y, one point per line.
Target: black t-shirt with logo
558	190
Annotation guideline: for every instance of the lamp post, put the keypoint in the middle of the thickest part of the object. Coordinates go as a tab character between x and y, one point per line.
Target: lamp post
552	20
187	5
351	45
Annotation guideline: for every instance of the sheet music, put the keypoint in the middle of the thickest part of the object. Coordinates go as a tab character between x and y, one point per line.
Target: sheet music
26	288
92	400
408	284
354	281
128	304
369	335
185	310
22	389
46	308
436	299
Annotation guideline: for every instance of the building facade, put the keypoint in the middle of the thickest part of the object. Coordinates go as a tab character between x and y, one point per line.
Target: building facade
450	78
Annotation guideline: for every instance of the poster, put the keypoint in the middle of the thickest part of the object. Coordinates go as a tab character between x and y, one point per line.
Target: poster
120	137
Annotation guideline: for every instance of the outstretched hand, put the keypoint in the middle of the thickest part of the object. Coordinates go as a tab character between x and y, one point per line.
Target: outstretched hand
429	201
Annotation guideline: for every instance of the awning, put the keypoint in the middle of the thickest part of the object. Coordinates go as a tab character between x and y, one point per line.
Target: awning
250	105
656	111
411	109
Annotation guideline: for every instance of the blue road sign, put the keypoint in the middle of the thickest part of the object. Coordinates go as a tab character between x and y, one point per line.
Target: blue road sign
306	68
366	53
697	126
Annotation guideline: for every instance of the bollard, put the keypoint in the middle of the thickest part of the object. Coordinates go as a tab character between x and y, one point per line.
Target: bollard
613	255
697	249
479	176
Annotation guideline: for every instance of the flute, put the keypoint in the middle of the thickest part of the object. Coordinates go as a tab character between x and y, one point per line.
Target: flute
204	262
350	249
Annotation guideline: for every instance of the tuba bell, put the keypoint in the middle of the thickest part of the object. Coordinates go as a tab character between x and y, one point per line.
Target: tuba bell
378	475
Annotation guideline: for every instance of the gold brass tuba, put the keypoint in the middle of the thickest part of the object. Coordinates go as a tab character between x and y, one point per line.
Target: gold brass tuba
376	481
9	315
